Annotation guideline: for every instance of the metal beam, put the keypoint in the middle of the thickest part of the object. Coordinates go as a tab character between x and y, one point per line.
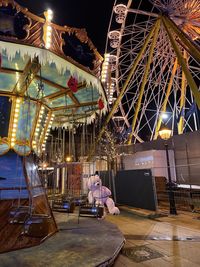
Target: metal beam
193	49
141	12
183	63
28	75
93	103
182	100
164	105
117	101
144	81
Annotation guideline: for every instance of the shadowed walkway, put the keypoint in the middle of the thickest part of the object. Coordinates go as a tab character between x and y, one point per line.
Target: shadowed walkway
92	242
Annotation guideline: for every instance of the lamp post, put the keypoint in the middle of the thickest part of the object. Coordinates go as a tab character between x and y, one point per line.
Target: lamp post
165	134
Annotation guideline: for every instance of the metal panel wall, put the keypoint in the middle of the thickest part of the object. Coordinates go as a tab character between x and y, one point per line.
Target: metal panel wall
136	188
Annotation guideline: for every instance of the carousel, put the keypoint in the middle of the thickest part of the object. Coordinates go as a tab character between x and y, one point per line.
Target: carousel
49	79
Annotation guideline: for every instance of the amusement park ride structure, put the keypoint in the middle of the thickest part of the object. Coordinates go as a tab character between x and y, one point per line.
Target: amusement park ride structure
151	68
41	87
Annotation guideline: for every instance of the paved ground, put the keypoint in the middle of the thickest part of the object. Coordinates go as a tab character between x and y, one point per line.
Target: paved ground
159	242
89	243
165	241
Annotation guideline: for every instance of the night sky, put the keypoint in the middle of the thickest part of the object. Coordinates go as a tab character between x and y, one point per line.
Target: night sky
93	15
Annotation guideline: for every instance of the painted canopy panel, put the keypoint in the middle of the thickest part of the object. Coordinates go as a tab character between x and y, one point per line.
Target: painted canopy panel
60	102
33	91
4	148
16	62
26	120
8	82
50	72
87	94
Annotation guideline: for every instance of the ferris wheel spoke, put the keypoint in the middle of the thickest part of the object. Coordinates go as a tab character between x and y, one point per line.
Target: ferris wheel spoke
141	12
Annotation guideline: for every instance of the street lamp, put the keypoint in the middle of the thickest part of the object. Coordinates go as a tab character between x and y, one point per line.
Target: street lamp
165	134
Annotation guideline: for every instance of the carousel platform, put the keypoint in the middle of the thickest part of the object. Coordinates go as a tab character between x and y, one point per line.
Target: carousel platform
84	242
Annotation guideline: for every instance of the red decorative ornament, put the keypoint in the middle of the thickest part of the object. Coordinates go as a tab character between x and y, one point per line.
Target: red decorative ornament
73	84
100	104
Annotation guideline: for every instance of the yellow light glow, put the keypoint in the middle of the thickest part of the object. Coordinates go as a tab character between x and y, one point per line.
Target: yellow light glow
44	165
107	55
48	45
68	158
48	40
165	133
49	14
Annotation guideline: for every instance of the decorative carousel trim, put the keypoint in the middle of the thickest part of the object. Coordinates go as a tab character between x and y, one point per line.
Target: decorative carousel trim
44	56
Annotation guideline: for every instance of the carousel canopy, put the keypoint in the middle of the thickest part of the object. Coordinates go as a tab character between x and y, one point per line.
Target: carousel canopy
42	86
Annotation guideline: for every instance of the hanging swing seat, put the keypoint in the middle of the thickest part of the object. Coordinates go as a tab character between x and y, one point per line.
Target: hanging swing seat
37	225
18	215
80	201
91	211
63	204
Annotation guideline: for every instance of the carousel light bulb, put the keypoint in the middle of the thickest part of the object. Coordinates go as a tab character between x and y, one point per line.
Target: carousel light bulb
48	45
48	40
49	34
49	28
49	14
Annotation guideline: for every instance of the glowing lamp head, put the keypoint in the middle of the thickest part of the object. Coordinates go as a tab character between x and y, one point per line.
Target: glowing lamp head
68	159
44	165
165	133
164	116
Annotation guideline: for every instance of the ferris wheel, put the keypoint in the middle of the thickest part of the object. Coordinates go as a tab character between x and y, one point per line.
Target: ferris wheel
151	70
